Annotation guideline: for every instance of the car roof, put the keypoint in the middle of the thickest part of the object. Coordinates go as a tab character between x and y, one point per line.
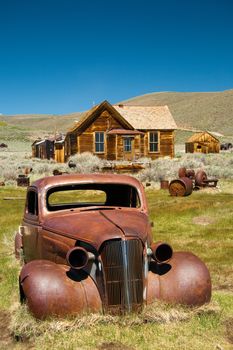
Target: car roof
60	180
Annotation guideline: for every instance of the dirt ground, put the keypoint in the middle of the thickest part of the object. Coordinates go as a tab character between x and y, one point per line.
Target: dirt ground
203	220
114	346
7	341
229	330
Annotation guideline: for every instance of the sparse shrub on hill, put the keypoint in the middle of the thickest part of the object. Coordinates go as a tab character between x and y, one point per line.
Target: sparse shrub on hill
9	174
43	167
86	163
192	161
160	169
215	165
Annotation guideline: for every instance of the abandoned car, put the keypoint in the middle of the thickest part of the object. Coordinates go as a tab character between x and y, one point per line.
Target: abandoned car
86	245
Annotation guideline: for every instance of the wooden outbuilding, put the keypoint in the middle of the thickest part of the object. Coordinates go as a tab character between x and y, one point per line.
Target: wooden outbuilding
59	154
49	148
202	142
120	132
43	149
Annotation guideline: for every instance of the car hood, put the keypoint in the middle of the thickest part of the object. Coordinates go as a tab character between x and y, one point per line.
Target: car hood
97	226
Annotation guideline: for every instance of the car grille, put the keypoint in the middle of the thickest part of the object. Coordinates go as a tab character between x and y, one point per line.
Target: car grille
123	272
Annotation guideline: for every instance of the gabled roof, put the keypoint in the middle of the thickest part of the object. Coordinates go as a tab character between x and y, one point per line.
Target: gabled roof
148	118
196	137
131	117
89	116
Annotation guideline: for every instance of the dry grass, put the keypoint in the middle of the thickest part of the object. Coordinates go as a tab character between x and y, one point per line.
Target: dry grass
157	313
159	325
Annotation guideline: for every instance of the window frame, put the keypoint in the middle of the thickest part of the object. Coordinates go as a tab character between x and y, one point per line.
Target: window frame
128	138
110	189
99	143
153	142
28	213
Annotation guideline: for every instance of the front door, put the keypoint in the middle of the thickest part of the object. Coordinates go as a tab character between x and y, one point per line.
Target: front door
128	148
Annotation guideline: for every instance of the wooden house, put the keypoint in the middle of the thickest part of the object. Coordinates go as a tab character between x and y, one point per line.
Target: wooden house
49	148
202	142
120	132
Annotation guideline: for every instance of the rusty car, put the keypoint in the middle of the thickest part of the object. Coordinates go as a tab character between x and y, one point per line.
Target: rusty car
86	245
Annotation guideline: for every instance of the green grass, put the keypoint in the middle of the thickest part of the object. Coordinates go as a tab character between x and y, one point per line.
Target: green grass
174	219
177	221
13	133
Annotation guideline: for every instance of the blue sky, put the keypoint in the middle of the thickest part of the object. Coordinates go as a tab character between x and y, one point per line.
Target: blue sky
61	56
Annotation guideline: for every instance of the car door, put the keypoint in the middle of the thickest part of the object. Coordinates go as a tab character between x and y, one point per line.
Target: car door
30	227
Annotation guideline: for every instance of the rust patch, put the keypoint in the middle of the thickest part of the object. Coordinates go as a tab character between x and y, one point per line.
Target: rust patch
114	346
203	220
229	329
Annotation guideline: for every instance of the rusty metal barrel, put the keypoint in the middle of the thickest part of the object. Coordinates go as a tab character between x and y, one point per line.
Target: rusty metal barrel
181	187
183	172
164	184
200	178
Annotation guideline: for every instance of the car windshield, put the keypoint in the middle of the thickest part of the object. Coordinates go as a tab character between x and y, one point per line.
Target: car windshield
89	195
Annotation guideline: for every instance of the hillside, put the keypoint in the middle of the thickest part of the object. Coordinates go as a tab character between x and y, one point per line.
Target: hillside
211	111
42	122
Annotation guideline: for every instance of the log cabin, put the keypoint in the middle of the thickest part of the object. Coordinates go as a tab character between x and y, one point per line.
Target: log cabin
202	142
122	132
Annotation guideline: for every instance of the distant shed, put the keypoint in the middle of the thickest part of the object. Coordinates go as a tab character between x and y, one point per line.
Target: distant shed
202	142
49	148
43	149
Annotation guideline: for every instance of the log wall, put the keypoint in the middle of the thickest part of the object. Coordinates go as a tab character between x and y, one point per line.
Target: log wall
166	145
205	143
86	140
83	140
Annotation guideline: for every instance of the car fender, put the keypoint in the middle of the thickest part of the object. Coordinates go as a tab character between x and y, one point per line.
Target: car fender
51	289
185	280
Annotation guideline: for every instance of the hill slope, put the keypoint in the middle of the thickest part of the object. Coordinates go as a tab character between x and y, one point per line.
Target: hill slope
42	122
211	111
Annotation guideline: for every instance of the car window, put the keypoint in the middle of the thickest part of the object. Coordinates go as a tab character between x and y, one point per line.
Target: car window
32	203
77	196
85	195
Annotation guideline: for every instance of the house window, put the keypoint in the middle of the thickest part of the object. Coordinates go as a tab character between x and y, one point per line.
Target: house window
127	144
154	141
99	142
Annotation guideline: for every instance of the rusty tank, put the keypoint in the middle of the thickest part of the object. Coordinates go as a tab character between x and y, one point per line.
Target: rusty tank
181	187
87	246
